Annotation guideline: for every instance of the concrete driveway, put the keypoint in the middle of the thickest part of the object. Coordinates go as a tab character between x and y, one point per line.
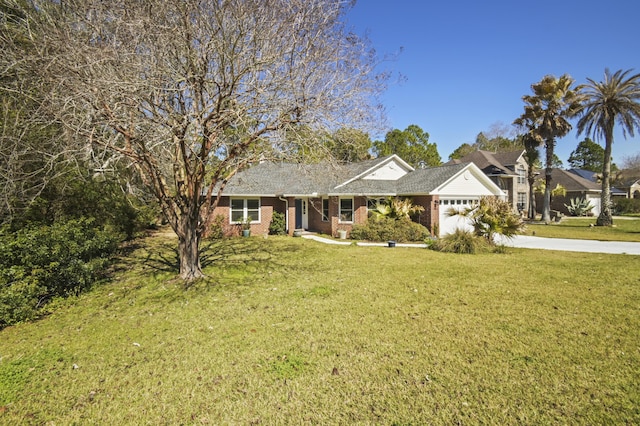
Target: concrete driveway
563	244
523	241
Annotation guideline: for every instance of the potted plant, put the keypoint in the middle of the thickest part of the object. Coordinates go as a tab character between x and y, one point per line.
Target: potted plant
246	227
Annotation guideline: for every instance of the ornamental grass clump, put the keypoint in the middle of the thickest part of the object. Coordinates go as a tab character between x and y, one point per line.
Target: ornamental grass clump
490	217
461	241
579	207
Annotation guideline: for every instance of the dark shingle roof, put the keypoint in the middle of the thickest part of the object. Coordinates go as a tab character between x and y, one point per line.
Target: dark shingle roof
423	181
330	179
593	176
491	163
508	158
284	178
587	174
571	181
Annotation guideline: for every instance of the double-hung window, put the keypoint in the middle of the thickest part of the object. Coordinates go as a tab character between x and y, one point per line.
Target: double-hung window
522	200
346	209
372	203
325	210
243	208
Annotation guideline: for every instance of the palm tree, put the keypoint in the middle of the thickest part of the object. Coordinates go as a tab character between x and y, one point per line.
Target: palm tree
532	142
491	216
546	112
614	100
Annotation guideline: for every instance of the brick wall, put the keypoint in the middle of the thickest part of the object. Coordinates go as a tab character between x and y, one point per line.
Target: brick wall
267	207
431	215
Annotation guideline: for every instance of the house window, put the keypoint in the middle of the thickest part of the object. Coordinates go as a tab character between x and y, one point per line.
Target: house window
346	210
372	203
522	175
325	210
243	208
522	200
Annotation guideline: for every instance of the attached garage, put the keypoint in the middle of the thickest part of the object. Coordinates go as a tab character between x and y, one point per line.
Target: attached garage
448	222
460	192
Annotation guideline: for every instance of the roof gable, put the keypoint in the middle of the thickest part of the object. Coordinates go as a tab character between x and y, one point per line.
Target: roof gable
469	180
389	168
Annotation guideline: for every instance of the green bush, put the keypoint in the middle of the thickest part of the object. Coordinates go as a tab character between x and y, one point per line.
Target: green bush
385	228
102	200
216	230
40	263
579	207
278	225
627	205
461	241
491	216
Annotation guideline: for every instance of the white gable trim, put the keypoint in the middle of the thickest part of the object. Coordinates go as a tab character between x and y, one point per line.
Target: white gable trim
471	171
384	171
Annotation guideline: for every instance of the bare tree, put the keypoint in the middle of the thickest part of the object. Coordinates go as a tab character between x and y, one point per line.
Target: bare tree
34	149
191	91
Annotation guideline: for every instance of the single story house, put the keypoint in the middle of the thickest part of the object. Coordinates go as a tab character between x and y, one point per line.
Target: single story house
508	170
631	187
595	177
576	187
327	198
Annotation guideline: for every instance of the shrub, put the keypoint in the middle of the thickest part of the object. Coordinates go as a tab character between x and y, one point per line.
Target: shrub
579	207
461	241
627	205
102	200
396	208
385	228
44	262
492	216
278	225
216	229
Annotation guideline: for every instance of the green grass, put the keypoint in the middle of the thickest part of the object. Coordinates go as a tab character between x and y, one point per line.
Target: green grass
627	229
290	331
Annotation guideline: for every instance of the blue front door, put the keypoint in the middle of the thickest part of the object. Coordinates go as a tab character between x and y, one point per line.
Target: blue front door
298	213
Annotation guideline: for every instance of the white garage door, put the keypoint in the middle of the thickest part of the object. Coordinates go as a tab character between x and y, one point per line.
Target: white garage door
448	224
595	202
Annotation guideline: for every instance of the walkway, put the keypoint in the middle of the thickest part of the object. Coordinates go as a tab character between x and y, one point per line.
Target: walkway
359	243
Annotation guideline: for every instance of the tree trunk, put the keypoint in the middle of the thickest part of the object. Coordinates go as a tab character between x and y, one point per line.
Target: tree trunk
546	207
532	198
605	218
189	248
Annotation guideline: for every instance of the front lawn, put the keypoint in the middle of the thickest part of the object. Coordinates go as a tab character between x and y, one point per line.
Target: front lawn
291	331
624	229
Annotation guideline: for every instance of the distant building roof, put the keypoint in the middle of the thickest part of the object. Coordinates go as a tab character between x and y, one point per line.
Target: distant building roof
593	176
492	163
572	181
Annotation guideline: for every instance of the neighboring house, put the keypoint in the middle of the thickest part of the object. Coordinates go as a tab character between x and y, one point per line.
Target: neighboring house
594	177
631	188
576	187
507	169
327	198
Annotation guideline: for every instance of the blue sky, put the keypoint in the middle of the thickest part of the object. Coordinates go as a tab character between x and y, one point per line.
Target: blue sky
467	63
